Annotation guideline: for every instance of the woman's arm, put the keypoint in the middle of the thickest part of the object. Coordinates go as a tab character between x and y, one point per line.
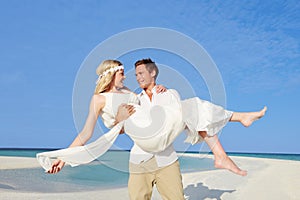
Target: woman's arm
96	105
159	89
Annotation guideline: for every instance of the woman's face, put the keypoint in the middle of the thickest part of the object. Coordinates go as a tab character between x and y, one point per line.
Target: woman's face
119	78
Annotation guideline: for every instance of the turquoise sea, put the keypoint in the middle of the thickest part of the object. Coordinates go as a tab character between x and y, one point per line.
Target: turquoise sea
111	170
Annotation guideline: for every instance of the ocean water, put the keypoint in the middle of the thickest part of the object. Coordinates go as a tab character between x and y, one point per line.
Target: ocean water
110	171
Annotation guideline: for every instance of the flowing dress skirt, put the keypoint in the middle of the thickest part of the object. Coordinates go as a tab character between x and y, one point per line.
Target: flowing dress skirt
152	130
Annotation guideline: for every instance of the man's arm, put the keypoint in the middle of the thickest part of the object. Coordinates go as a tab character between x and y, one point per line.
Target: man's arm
124	112
175	94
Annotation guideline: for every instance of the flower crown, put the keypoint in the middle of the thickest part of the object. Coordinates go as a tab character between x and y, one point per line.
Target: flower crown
113	69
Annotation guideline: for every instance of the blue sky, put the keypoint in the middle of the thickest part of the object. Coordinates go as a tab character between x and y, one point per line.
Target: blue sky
254	44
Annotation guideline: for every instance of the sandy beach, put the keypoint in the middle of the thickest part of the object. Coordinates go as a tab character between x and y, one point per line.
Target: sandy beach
267	179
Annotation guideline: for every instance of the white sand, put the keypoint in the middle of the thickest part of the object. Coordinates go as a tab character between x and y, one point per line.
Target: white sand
267	179
7	162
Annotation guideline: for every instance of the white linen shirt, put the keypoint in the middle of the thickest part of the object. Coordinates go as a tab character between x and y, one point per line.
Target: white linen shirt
163	158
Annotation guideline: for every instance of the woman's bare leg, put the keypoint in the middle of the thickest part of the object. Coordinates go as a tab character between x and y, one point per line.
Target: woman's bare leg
221	159
247	118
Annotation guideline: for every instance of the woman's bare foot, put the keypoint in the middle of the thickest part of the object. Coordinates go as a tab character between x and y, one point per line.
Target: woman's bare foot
227	163
250	117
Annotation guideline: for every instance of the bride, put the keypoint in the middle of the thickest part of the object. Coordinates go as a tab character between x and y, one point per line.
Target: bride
202	119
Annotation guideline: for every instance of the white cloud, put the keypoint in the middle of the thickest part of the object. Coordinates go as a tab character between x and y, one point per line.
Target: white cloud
253	42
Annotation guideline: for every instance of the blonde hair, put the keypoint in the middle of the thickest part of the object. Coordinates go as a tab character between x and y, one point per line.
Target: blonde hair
104	82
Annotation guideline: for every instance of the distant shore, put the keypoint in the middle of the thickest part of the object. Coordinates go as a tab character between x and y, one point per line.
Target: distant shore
267	179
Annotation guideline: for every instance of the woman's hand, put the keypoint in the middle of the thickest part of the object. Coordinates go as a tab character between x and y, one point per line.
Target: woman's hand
56	166
160	89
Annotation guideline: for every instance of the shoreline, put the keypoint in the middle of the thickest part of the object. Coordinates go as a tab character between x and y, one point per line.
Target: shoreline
267	178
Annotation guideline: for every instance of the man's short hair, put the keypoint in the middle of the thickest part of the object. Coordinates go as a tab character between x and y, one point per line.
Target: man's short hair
150	65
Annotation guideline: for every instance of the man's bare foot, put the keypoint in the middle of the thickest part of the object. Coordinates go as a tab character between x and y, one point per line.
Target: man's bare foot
249	118
227	163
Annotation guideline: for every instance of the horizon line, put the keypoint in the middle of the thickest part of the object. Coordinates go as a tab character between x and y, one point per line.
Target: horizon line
201	152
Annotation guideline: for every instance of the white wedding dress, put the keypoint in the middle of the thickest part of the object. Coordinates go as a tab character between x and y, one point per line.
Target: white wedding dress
152	130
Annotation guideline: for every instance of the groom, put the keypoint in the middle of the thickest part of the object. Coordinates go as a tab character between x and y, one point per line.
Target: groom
146	169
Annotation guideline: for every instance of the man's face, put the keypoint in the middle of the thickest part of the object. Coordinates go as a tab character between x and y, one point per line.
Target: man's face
143	77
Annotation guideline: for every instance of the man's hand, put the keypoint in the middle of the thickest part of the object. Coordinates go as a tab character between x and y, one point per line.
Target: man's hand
56	166
124	112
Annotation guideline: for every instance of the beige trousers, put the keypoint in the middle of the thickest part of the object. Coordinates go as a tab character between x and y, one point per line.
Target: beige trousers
168	181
